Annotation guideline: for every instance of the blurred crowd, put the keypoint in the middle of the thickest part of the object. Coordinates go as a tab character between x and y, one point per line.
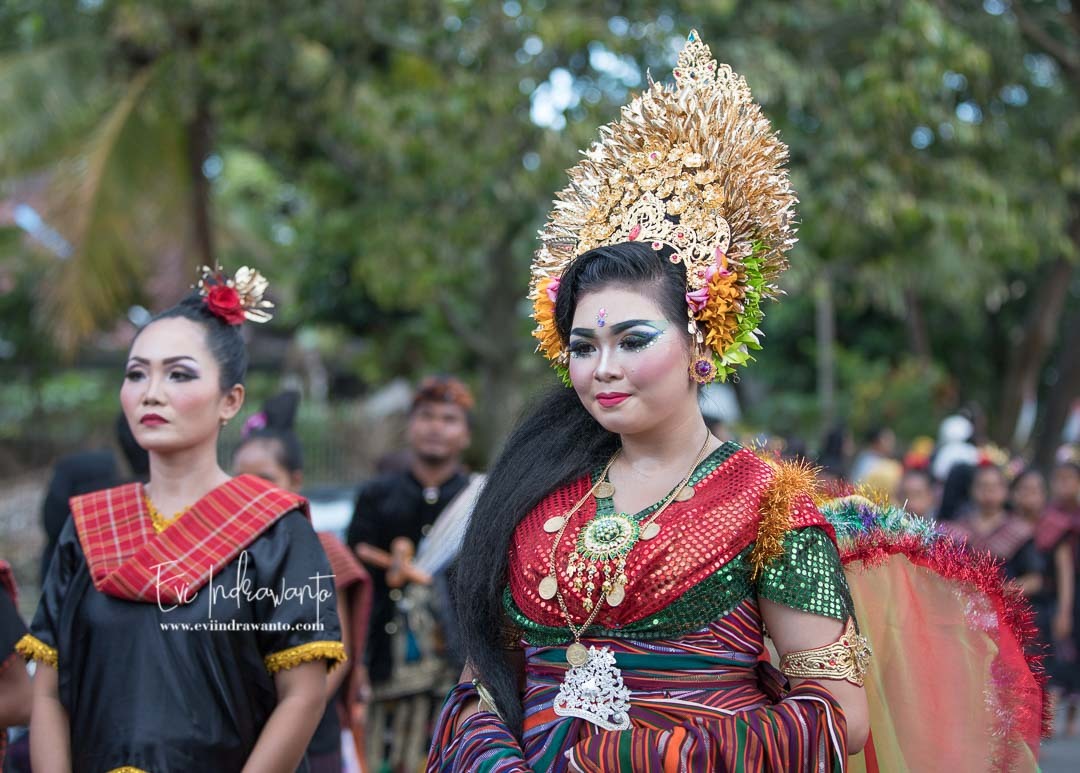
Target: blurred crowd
1027	518
408	520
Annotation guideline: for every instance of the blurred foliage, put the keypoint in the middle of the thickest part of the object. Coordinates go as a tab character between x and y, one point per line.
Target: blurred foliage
387	163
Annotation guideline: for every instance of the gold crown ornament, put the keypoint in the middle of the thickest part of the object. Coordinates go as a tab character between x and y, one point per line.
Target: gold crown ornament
234	300
694	168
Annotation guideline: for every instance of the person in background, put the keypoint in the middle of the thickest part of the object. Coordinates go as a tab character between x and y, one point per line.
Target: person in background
144	662
1065	490
271	450
954	446
989	526
835	453
408	662
956	492
884	477
15	691
917	493
880	444
1054	602
85	471
919	453
1065	511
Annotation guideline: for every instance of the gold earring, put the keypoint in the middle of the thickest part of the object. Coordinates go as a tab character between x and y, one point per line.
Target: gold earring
702	367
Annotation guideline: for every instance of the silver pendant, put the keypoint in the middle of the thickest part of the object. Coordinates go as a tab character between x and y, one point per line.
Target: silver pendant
595	692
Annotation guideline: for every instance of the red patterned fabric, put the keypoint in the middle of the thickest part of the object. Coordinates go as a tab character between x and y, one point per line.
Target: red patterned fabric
696	539
7	581
353	583
1004	541
128	560
1054	526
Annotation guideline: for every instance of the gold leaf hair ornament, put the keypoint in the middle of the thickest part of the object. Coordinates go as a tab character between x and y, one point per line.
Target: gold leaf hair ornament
234	300
694	168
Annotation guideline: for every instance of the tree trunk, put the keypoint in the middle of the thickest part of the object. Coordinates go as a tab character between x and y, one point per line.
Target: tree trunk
1027	355
825	328
918	335
1064	391
199	145
502	397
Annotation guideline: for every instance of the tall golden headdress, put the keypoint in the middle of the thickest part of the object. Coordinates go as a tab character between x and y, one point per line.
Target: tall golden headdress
694	167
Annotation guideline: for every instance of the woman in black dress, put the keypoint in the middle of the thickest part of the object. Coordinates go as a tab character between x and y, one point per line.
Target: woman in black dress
198	641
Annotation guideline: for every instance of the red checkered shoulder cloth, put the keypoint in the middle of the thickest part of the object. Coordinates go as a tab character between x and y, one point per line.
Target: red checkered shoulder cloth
128	560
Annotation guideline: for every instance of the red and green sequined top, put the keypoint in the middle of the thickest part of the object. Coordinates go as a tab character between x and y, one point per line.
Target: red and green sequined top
696	570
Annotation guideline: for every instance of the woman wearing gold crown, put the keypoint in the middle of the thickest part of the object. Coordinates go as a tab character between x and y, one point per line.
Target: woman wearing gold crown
198	641
623	567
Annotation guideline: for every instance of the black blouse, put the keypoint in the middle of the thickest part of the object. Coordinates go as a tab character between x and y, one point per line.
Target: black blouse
188	688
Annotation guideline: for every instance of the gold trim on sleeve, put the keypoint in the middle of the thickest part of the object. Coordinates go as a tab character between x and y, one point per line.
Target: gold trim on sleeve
128	769
33	648
847	658
334	651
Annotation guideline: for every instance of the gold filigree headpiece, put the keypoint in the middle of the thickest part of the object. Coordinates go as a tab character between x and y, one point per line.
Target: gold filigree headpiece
234	300
695	168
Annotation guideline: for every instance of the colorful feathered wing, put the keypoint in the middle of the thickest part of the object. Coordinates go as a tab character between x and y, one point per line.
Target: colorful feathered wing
957	682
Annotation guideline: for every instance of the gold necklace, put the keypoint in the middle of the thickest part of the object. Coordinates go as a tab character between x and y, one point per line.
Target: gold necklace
159	521
606	489
615	536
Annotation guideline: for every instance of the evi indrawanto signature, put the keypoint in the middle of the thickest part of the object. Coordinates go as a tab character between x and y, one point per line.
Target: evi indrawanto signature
316	590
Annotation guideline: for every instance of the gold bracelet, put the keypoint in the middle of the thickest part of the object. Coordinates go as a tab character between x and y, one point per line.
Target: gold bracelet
847	658
487	702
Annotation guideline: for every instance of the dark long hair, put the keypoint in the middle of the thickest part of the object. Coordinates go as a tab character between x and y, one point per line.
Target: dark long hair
556	442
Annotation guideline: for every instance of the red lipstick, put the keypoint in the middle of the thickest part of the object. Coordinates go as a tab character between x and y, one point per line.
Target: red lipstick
152	420
611	399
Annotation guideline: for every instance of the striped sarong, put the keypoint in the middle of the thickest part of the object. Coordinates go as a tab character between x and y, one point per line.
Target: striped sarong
708	701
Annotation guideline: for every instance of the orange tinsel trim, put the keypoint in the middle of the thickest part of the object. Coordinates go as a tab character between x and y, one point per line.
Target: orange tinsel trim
790	479
551	344
720	318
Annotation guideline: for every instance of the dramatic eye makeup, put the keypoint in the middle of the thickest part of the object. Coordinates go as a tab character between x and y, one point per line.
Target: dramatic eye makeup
640	340
640	334
178	368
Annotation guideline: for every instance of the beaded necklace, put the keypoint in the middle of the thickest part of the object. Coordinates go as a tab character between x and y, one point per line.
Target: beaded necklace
593	688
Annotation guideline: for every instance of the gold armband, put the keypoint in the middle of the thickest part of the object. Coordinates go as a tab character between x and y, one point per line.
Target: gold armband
847	658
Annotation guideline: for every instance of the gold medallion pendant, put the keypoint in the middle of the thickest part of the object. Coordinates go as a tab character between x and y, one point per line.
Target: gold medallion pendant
599	558
576	654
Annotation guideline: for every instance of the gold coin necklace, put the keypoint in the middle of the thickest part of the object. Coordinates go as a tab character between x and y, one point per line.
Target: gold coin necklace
593	687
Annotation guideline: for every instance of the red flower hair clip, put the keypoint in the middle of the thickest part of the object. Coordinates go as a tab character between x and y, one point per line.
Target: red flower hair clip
234	300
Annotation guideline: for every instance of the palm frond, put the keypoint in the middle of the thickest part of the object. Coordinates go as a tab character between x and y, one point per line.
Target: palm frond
50	97
122	204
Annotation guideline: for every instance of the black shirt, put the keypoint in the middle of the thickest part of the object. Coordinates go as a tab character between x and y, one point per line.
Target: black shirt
163	691
389	507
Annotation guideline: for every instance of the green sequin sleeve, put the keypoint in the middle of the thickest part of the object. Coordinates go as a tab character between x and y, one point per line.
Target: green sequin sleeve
808	576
